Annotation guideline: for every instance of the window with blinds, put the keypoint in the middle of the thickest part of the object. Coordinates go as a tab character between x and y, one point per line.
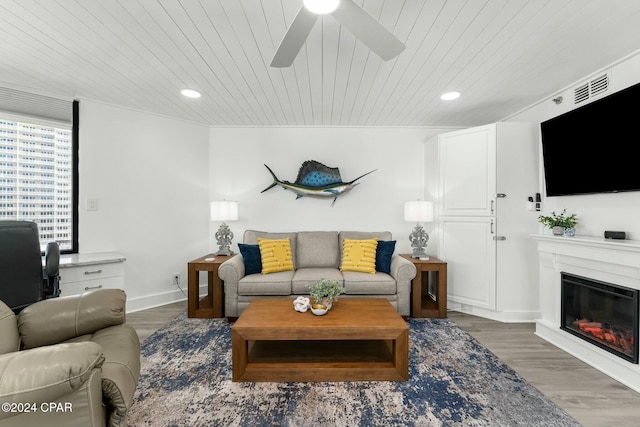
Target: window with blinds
38	177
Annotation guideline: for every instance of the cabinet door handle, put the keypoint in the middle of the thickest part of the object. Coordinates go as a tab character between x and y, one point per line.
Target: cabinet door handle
491	226
492	206
88	288
93	272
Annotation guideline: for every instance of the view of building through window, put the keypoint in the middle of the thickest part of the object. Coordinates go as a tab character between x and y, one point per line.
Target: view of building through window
36	178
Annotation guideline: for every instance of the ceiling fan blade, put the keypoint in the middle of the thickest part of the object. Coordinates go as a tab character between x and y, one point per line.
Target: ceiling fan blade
368	30
294	38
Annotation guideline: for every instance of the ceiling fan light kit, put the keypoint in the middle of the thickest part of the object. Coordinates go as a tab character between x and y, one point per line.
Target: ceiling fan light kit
321	7
351	16
450	96
190	93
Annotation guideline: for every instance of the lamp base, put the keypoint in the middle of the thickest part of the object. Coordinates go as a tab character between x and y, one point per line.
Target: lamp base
419	239
224	236
419	253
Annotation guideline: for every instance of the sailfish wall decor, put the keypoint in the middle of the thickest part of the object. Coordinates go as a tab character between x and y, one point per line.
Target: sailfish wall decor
317	180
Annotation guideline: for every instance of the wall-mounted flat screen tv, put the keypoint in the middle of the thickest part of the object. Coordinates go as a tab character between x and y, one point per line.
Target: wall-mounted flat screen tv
592	149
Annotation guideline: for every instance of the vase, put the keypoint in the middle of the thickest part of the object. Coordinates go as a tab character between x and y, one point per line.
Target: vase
557	230
570	232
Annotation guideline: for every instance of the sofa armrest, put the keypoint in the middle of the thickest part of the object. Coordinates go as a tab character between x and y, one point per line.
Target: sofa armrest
231	271
403	271
55	320
42	375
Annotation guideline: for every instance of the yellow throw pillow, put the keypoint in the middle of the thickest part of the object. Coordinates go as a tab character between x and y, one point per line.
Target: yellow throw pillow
275	255
359	255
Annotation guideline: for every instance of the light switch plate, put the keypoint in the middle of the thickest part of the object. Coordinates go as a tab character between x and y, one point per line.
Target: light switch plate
92	204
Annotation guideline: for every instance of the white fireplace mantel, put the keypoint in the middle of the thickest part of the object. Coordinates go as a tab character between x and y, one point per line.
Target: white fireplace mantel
611	261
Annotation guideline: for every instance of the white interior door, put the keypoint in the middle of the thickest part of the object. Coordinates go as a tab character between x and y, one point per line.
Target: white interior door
467	161
468	247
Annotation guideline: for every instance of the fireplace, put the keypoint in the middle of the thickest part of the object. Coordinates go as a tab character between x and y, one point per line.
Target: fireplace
600	313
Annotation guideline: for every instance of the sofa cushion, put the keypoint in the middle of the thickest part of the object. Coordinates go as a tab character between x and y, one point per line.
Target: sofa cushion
251	237
359	255
275	255
304	277
251	258
266	284
317	249
356	283
384	251
361	235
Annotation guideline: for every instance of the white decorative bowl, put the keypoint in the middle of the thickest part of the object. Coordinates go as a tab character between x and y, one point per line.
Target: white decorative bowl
318	309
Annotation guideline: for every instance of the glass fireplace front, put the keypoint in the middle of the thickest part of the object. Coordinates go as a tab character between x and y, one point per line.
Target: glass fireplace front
603	314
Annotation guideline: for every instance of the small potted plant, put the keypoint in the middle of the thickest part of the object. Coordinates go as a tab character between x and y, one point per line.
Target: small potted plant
326	291
560	223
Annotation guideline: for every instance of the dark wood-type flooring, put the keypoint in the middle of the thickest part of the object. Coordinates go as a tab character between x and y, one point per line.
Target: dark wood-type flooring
591	397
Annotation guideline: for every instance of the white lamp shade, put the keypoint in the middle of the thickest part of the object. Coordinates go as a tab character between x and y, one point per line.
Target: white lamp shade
224	211
418	211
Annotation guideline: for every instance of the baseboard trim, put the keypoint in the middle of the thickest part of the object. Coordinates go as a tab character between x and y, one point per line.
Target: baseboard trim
160	299
500	316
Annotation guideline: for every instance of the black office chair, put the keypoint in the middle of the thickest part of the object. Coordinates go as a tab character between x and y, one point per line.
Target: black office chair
23	279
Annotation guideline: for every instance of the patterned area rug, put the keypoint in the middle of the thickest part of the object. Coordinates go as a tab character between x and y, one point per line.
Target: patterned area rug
454	381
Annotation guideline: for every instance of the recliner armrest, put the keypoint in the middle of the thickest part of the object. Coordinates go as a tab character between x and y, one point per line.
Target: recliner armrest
59	319
45	374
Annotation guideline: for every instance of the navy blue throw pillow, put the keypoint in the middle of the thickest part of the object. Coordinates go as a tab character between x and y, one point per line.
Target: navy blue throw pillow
251	257
384	250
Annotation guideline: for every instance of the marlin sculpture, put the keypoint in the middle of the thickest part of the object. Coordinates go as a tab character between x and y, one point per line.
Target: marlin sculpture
317	180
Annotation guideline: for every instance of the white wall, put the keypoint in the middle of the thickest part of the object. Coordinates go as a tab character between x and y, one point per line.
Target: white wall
153	178
596	212
237	172
150	177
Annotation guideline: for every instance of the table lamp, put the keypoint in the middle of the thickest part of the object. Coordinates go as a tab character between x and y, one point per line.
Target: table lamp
418	211
224	211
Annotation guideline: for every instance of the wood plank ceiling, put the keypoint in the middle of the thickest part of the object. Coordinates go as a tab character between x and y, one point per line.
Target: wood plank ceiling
502	55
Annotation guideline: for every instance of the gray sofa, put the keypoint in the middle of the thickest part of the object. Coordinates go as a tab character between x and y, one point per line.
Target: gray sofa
316	255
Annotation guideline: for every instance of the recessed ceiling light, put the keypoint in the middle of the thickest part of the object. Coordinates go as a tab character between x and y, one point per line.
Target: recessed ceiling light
450	96
321	7
190	93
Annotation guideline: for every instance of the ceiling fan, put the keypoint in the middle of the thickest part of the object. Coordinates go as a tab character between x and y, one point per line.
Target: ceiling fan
350	15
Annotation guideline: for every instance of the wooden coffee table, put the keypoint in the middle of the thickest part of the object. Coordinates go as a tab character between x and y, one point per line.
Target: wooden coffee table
357	340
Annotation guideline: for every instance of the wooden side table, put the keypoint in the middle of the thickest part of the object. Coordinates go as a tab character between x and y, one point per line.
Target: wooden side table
423	303
211	305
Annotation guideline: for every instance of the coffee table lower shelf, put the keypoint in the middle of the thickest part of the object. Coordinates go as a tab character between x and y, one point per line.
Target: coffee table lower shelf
308	360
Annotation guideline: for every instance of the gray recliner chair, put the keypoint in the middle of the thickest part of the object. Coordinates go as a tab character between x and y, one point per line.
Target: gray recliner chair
68	361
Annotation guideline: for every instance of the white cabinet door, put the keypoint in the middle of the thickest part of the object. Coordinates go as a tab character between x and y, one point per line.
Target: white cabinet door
467	244
467	161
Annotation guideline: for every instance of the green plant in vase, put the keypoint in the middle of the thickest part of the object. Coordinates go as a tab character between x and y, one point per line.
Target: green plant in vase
559	224
326	291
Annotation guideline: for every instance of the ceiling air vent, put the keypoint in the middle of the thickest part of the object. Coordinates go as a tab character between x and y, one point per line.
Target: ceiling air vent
581	93
593	88
599	85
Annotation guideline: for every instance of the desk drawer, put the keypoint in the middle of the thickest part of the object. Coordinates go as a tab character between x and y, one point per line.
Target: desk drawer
91	272
76	288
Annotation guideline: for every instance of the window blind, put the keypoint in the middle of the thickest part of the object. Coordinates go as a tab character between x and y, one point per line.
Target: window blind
35	105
